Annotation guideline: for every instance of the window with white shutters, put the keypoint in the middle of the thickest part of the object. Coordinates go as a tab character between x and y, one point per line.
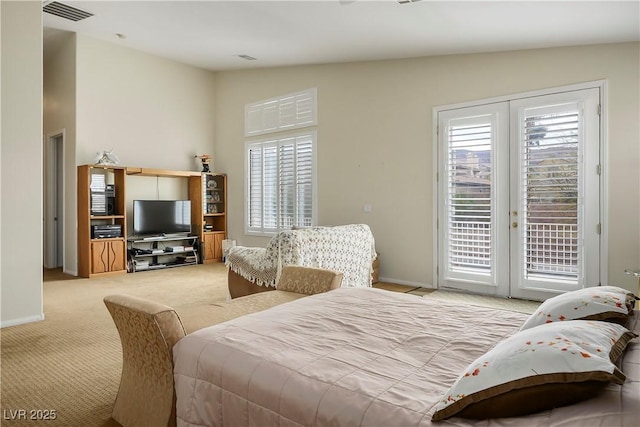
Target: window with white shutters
281	169
287	112
519	194
469	187
550	174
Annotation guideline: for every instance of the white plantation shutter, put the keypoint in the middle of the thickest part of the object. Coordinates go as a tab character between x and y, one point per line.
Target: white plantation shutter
295	186
550	156
270	186
287	173
469	187
305	172
555	143
281	168
470	197
286	112
254	210
281	183
473	231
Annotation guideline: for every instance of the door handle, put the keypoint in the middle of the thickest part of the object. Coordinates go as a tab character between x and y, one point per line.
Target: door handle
514	224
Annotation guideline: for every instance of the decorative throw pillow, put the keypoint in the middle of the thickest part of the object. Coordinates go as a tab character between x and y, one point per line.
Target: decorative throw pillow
609	303
547	366
308	280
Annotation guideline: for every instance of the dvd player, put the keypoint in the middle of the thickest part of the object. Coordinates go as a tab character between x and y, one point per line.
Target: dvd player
106	231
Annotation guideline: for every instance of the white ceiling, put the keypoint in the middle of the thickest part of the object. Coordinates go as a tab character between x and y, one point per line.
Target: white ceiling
211	34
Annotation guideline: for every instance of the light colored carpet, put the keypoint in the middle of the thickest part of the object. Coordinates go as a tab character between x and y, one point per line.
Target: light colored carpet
512	304
71	361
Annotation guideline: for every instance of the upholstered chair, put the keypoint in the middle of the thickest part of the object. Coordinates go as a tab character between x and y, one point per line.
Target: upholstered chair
148	332
348	248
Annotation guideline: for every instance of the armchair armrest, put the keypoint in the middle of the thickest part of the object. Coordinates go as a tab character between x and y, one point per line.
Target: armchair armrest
308	280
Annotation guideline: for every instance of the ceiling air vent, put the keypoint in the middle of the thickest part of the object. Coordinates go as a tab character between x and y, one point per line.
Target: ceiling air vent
65	11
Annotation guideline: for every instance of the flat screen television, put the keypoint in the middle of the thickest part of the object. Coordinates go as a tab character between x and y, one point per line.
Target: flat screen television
161	217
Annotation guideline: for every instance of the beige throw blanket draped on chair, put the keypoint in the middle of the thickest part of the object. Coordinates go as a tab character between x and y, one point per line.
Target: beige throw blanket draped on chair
349	249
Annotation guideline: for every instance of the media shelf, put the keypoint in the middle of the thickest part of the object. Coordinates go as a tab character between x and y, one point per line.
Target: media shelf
101	202
153	253
208	194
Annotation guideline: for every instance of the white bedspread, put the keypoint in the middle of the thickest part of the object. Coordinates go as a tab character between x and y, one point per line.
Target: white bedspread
358	357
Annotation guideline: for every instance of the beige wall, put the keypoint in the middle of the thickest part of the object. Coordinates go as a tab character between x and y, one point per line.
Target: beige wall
60	116
151	111
21	160
375	139
153	188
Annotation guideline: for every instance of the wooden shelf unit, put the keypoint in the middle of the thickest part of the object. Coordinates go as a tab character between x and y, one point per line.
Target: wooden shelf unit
108	256
208	194
101	256
159	172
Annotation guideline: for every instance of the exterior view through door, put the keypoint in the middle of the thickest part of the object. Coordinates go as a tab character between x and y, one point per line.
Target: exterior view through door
519	195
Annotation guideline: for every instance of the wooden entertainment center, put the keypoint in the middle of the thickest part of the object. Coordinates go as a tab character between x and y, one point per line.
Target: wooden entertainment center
105	254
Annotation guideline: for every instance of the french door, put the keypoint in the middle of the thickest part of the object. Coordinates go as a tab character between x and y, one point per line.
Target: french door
519	195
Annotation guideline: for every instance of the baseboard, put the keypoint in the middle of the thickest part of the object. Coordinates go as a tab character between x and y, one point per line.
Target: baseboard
405	282
70	272
21	321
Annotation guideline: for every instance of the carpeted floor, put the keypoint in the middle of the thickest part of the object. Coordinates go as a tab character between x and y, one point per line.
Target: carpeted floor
70	363
513	304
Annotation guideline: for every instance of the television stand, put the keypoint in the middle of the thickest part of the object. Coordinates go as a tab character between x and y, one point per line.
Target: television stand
175	235
152	253
149	238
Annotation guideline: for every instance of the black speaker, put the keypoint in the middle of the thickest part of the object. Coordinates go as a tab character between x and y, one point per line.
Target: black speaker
111	205
110	192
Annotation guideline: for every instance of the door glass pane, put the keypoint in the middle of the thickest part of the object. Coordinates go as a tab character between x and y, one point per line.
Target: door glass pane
550	183
469	193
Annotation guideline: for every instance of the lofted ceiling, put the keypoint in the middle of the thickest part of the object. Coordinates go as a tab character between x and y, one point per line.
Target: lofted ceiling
214	34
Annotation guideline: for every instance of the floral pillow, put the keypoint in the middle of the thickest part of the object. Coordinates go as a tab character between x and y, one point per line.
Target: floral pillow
547	366
609	303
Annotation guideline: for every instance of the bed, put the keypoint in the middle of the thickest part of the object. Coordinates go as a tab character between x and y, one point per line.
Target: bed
363	357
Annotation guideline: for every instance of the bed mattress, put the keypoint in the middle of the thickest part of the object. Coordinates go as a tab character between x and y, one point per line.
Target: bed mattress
360	357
